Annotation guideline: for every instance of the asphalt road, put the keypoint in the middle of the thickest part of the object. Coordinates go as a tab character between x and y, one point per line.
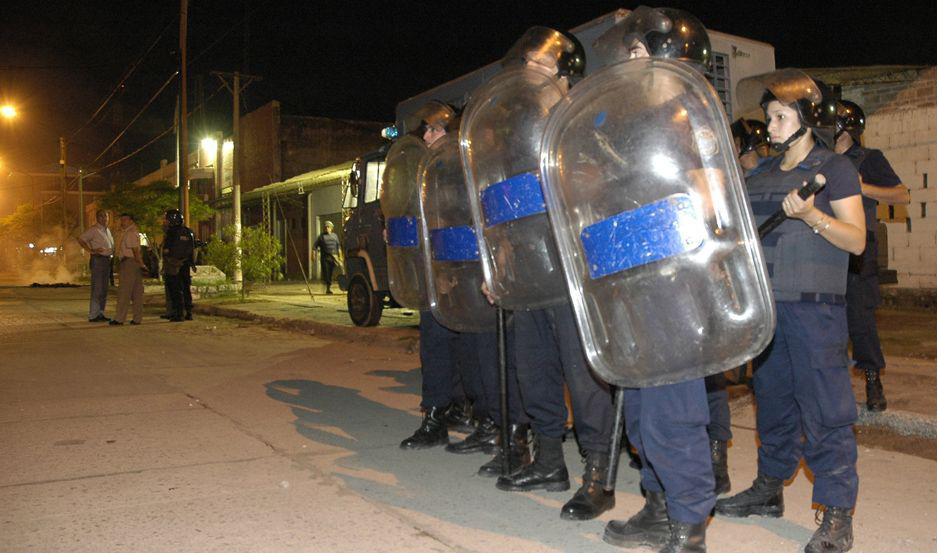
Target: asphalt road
218	435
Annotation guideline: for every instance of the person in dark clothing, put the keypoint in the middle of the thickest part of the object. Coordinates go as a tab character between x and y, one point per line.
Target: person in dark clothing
178	259
806	406
328	248
879	184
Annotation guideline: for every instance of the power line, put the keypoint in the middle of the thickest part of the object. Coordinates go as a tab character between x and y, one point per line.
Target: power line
130	71
137	116
155	138
224	34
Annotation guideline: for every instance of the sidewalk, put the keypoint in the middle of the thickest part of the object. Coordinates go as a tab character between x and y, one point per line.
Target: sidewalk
908	340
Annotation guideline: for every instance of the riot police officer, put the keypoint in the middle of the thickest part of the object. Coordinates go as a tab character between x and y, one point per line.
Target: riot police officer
751	139
449	360
879	184
667	423
178	261
806	407
501	133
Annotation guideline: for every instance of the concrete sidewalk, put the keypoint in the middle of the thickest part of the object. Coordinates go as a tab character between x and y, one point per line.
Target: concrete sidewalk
909	379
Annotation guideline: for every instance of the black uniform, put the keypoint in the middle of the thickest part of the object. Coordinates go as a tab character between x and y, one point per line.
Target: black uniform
328	246
862	295
178	260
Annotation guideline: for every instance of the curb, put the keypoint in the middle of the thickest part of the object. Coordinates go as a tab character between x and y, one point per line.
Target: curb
905	423
404	339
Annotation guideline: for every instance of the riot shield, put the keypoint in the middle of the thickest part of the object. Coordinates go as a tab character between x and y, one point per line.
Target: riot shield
400	203
665	269
453	267
500	142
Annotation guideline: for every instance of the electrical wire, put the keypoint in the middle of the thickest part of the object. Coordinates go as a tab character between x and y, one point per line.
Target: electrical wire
156	138
127	74
135	117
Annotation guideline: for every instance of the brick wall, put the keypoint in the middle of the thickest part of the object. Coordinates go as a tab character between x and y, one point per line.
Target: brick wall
901	120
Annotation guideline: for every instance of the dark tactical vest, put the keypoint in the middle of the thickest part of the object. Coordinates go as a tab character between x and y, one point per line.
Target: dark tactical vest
867	263
803	266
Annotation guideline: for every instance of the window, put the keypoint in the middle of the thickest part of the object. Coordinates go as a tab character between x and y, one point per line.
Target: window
373	176
721	81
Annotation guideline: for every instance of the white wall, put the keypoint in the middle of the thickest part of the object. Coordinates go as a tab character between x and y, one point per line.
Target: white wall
746	58
908	138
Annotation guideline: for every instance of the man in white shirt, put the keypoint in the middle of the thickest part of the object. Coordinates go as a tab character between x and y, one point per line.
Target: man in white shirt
130	287
99	242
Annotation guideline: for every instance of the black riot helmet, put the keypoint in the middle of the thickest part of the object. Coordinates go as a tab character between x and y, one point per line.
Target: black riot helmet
751	134
666	33
432	114
545	45
812	99
174	216
850	119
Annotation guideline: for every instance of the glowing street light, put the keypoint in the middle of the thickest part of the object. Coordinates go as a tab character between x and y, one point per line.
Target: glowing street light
7	111
208	153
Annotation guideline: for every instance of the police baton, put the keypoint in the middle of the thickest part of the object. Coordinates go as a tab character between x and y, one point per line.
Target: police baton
815	185
503	384
614	453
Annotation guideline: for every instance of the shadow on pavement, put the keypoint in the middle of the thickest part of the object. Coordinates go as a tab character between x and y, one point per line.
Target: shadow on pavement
438	484
408	382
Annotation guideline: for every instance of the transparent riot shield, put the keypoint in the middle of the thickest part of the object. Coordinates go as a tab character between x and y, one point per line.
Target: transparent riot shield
665	269
453	266
500	141
400	203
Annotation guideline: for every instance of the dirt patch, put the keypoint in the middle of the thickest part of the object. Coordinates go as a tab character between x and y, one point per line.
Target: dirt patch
879	438
399	338
907	333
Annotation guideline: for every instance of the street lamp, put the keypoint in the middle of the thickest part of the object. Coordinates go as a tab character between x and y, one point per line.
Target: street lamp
8	111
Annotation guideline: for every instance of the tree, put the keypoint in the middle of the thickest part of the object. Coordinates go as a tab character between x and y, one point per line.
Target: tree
260	255
149	203
21	226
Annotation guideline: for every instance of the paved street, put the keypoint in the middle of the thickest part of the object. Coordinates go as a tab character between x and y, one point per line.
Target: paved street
226	435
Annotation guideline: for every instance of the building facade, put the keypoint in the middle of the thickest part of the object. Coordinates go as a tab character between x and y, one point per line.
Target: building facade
900	103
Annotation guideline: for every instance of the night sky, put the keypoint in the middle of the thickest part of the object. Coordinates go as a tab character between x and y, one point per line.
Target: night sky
356	60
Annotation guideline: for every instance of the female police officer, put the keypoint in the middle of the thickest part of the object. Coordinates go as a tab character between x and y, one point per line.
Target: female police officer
805	401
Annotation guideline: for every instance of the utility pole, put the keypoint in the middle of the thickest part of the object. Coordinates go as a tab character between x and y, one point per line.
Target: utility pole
236	87
219	176
81	201
183	159
62	159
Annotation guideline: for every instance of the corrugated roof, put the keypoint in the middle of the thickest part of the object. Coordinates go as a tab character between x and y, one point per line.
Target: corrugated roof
867	74
306	181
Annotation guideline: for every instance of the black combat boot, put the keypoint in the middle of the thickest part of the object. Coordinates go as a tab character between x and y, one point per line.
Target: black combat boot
432	431
547	472
188	315
459	417
874	393
765	498
519	452
834	534
649	527
485	439
686	538
719	451
591	499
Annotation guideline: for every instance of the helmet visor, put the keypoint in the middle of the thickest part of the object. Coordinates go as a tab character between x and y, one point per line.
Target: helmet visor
539	45
612	46
787	85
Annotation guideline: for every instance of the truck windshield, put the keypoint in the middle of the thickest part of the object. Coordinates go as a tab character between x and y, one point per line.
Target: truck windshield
372	189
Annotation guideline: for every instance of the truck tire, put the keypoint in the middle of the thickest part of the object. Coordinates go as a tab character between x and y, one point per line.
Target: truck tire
364	306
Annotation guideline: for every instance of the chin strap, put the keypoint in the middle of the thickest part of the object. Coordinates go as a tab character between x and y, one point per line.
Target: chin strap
782	147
